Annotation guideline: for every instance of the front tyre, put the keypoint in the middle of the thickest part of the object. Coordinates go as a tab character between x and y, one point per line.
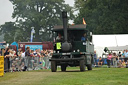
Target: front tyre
53	66
89	67
63	67
82	64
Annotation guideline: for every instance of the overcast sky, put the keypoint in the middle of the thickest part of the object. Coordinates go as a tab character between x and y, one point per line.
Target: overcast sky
6	9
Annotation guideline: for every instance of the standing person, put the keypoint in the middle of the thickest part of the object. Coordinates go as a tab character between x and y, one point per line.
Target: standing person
123	54
19	52
18	57
22	60
35	60
47	60
126	56
49	57
13	61
109	59
38	58
27	56
95	58
6	60
41	59
32	59
114	60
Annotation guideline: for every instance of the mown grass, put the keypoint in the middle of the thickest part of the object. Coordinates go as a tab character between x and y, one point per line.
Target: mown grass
98	76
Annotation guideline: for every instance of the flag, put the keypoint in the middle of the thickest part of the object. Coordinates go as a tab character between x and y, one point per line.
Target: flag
84	22
32	32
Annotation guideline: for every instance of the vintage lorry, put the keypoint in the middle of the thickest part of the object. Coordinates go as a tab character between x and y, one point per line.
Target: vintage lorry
71	50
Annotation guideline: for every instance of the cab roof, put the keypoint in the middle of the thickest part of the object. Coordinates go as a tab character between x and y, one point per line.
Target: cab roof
71	27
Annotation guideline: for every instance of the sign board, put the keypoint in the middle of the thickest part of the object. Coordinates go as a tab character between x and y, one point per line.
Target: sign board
58	45
1	65
34	47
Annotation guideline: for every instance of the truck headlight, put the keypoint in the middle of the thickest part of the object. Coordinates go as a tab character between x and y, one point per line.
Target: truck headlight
54	51
78	50
73	50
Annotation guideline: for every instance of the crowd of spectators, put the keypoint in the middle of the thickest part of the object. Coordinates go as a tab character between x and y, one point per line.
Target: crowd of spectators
117	60
28	60
39	59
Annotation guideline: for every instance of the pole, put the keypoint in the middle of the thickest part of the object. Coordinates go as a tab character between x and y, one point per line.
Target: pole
116	41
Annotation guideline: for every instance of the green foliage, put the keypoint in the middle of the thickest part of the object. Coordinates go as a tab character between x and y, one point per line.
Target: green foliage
103	16
11	32
40	14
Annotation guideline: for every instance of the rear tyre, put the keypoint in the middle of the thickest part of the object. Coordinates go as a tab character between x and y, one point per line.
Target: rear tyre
89	67
63	67
53	66
82	64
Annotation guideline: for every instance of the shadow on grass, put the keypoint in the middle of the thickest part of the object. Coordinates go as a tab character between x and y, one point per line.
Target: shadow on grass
75	71
71	71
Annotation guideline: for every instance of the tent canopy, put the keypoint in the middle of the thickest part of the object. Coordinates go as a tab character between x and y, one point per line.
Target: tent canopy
118	42
118	48
110	40
15	43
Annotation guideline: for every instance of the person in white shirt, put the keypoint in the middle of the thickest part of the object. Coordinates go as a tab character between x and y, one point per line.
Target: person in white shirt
59	38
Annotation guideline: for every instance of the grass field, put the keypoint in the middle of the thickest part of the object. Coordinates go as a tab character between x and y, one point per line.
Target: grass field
98	76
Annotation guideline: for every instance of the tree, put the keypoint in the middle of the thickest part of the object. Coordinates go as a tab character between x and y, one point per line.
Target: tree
11	32
40	14
103	16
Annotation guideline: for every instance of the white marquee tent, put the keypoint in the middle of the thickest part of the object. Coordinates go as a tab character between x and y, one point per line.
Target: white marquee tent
118	48
118	41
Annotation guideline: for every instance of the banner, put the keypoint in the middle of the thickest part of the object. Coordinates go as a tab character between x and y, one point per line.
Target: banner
1	65
32	32
34	47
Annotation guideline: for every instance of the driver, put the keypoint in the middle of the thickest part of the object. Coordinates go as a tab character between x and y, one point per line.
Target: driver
83	38
59	38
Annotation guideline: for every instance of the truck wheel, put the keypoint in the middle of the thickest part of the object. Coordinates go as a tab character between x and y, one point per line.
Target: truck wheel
82	65
63	67
53	66
89	67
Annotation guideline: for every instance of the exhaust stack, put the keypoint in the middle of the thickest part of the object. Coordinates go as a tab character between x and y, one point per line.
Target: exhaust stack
64	17
66	47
